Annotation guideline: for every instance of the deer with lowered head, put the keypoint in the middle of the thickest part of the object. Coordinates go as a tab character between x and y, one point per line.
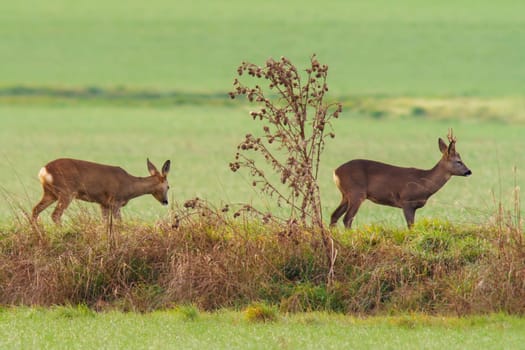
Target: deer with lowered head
405	188
110	186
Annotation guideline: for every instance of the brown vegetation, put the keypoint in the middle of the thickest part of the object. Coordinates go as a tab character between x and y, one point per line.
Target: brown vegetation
205	258
296	122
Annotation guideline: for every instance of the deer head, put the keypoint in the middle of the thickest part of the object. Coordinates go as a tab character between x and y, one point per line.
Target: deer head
451	159
161	189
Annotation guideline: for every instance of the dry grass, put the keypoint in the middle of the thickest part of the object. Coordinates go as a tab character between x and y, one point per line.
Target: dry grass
206	259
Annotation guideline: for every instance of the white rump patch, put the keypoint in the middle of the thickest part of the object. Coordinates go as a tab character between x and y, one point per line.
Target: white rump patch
45	177
337	181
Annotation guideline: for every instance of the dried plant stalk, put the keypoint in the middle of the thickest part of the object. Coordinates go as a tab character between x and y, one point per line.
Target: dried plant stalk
296	122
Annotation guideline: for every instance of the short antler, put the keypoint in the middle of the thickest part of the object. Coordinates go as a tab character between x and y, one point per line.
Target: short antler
451	137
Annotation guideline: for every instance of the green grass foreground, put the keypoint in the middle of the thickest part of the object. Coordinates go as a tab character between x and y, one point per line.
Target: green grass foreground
80	328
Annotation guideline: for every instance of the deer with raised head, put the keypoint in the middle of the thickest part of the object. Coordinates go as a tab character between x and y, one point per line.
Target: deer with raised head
405	188
110	186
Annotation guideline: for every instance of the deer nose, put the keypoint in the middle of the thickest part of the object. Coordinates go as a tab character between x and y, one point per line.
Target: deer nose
165	202
468	173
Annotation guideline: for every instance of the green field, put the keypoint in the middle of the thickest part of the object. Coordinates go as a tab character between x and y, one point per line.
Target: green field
81	329
372	47
201	141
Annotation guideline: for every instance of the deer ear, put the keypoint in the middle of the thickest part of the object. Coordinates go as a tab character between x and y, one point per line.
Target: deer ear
166	168
151	168
442	146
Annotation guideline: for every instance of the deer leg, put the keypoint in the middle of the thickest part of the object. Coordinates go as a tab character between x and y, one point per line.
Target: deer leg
63	203
340	210
116	213
47	199
410	214
353	207
105	212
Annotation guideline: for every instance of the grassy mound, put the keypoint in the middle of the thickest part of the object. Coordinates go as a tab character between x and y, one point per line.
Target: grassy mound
213	263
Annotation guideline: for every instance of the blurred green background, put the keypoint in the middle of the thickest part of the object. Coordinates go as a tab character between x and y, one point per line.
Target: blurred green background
372	47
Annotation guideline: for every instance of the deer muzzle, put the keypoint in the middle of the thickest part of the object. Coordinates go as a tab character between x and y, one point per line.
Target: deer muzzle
468	173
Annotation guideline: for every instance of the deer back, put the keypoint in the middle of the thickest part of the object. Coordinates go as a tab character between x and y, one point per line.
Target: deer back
85	180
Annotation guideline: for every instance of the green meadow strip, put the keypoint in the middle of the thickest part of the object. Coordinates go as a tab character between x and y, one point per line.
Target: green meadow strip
500	109
79	328
92	95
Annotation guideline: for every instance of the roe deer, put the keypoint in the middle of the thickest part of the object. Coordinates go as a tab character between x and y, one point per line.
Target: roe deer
112	187
405	188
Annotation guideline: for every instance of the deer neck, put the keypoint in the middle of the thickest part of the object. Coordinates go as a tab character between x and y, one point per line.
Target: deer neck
139	186
436	177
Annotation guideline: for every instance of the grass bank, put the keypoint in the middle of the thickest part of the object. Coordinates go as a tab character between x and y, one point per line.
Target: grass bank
209	261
